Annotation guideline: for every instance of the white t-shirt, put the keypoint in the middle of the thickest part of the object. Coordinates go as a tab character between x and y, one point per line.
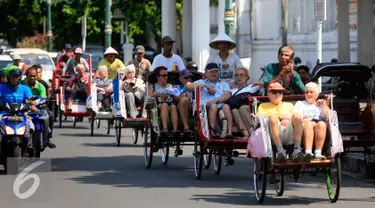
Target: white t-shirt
308	111
174	63
227	67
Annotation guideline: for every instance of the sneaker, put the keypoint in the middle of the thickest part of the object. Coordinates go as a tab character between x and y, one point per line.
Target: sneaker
309	156
298	155
320	157
281	156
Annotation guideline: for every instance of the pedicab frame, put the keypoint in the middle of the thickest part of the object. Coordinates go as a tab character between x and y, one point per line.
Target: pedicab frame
153	142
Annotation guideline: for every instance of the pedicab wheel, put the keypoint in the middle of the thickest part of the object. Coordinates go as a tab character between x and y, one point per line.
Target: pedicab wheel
260	178
92	121
207	160
198	157
164	154
97	123
135	135
75	121
118	131
279	187
218	160
148	144
333	179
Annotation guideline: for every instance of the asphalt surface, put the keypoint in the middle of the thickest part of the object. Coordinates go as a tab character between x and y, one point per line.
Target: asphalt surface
92	172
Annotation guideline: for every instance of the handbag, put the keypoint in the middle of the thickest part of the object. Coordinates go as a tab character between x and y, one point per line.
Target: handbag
237	100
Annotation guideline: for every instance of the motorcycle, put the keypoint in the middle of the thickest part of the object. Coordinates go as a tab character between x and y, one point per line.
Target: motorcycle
40	134
16	134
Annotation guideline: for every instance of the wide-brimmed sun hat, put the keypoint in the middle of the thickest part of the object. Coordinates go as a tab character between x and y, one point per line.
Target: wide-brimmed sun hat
109	51
222	37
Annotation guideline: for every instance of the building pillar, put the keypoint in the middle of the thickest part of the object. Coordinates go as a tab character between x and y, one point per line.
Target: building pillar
201	32
343	31
365	32
220	16
168	18
187	28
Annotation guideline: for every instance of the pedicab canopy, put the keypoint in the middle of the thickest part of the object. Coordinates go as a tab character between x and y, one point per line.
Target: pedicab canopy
222	37
173	77
353	72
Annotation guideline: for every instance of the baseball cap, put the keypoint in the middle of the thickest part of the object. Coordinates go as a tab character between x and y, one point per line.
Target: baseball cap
140	49
212	66
68	46
167	39
275	86
186	73
78	51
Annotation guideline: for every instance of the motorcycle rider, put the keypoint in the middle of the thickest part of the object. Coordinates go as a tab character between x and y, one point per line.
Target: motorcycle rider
14	92
38	89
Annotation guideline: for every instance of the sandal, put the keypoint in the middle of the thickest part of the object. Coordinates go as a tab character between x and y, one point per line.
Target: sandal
176	134
187	133
164	133
69	110
228	136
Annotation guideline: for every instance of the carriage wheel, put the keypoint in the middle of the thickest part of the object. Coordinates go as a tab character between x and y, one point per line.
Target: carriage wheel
60	116
164	154
118	131
218	160
92	120
148	144
75	121
333	179
135	135
97	123
260	178
207	160
198	157
109	126
279	187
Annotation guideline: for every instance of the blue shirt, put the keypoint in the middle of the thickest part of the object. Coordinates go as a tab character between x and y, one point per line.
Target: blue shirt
10	94
220	88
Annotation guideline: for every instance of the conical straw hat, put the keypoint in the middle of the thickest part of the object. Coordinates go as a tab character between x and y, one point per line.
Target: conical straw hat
222	37
110	50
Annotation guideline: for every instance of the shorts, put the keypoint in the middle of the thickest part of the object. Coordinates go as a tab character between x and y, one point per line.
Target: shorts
286	133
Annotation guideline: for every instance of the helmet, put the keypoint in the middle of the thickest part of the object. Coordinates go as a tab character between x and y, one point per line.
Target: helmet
14	72
191	65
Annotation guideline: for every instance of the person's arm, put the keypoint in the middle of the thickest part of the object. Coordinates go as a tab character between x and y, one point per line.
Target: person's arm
150	90
109	89
299	83
155	63
86	64
181	65
190	86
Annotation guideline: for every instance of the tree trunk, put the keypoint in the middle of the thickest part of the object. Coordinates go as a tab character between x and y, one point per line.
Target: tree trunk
284	17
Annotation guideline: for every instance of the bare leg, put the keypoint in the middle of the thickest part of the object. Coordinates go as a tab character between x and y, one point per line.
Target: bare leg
164	111
275	131
174	116
212	115
320	135
239	122
245	114
183	107
298	129
228	116
70	102
308	134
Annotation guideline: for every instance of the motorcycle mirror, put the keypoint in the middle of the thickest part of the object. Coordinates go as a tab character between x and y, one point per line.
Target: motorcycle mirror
57	91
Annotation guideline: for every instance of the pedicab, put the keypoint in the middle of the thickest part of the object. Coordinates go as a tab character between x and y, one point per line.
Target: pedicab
263	152
352	84
121	118
79	109
206	148
96	114
153	140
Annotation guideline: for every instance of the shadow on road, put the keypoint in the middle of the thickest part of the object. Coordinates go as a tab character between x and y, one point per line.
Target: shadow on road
111	144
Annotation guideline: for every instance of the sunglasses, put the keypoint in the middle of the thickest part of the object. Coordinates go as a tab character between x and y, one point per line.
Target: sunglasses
274	92
163	75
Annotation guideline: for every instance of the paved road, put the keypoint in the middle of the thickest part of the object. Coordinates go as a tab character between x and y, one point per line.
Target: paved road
92	172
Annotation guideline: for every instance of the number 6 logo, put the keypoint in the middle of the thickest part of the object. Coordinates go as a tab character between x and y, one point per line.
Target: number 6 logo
23	177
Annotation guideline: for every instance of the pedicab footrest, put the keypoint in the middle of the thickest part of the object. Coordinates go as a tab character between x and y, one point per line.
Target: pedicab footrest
313	163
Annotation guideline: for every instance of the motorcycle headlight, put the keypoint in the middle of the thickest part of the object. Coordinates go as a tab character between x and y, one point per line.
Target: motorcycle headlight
21	131
9	130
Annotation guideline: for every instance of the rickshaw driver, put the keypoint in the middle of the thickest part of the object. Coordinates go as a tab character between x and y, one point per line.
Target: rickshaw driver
77	86
284	127
168	59
38	89
215	94
69	68
314	113
112	62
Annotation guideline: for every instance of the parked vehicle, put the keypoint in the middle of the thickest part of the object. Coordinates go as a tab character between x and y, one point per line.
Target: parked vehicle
5	60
